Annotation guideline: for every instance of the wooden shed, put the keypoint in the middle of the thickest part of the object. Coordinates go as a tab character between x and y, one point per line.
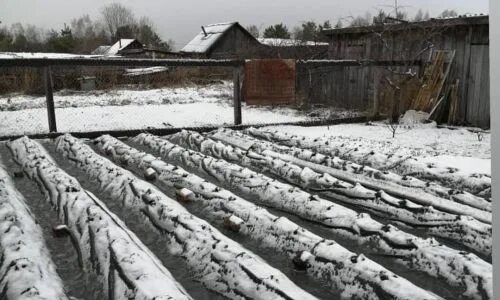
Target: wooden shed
354	87
222	40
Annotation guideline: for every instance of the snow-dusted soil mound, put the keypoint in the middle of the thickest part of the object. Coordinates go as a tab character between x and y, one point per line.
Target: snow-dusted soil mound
357	170
383	155
328	226
128	270
222	265
348	187
425	255
324	259
27	271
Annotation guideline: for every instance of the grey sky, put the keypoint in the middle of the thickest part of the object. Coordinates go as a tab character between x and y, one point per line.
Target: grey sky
180	20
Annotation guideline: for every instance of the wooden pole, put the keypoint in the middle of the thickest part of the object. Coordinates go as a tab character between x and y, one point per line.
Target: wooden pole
376	103
49	96
237	96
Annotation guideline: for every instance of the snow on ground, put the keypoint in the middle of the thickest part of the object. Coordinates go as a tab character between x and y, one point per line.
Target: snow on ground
136	109
459	148
425	139
97	118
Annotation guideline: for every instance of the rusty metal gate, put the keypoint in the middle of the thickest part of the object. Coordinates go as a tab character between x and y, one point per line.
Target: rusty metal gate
269	81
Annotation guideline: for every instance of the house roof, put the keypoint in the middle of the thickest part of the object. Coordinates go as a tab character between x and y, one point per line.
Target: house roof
274	42
101	50
202	42
113	49
118	46
443	22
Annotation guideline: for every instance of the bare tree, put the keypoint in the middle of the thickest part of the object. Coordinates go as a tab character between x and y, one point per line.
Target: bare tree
115	15
253	30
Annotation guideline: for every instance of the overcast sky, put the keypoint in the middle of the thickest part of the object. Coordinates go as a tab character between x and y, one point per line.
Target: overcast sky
180	20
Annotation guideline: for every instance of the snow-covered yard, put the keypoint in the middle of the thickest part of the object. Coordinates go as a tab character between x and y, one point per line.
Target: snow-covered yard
135	109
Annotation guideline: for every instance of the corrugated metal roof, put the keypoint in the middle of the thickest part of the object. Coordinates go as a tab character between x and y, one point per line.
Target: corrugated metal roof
201	43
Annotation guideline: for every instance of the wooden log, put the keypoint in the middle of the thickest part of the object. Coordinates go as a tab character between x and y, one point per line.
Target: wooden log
221	264
105	244
325	258
425	255
402	164
475	235
27	269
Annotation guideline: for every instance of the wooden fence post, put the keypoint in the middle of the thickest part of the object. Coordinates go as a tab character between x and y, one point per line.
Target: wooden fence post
237	96
376	100
49	96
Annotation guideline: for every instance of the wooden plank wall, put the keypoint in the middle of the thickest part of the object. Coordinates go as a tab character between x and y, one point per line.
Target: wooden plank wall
352	87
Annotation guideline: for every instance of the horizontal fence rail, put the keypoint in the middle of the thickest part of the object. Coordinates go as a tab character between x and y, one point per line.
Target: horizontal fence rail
125	62
358	63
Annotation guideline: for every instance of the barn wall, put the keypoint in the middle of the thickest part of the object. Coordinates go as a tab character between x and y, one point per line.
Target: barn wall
353	87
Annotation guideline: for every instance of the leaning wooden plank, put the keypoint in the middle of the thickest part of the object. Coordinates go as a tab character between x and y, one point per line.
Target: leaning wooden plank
460	269
26	269
324	259
222	265
398	162
355	170
105	245
461	229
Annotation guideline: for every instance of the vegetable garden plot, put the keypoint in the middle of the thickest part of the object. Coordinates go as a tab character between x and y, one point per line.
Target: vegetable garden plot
222	265
27	269
235	137
425	255
465	230
354	275
402	164
127	268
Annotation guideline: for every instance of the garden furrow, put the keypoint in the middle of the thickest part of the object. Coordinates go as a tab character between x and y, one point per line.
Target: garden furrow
245	141
465	230
460	269
127	268
399	163
26	268
221	264
346	272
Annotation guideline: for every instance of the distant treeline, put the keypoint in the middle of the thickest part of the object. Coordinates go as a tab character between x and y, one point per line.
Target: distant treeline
83	34
311	31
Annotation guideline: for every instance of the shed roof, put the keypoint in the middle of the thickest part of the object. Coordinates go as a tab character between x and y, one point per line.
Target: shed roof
101	50
275	42
443	22
202	42
118	46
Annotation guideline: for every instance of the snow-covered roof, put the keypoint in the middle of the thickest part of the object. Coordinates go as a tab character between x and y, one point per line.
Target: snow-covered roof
288	42
11	55
201	42
101	49
118	46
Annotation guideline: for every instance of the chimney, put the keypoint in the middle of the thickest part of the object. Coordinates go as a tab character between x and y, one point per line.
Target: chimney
120	43
204	32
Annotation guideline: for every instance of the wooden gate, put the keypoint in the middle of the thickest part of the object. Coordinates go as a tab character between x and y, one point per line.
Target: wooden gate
269	82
